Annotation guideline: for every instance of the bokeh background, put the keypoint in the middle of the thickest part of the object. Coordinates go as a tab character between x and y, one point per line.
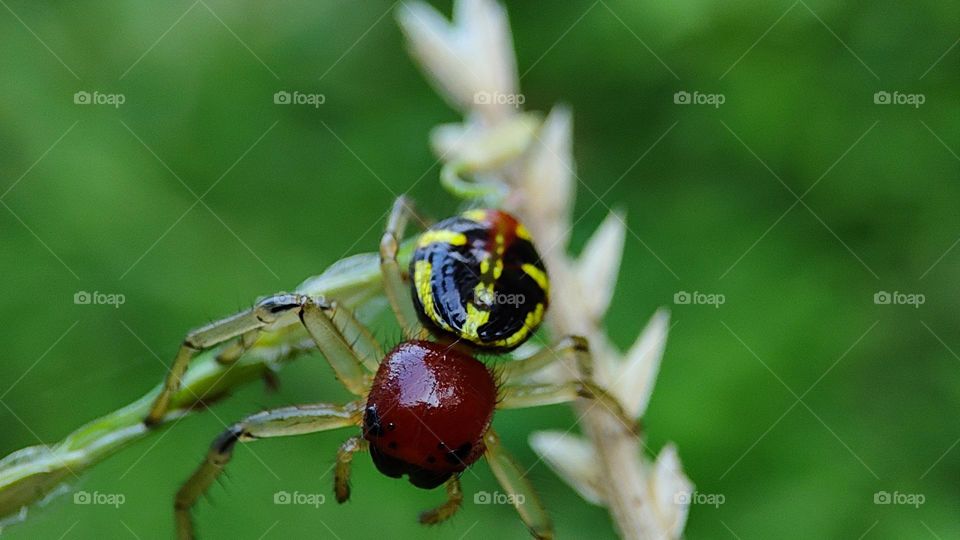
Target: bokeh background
92	201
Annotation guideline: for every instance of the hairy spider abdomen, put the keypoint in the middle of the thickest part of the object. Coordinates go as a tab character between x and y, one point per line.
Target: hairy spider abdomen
427	412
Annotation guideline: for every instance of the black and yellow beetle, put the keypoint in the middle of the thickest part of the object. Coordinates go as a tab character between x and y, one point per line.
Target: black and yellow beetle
479	278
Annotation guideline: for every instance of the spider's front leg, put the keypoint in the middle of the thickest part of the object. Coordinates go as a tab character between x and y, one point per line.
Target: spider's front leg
246	324
326	323
398	292
283	422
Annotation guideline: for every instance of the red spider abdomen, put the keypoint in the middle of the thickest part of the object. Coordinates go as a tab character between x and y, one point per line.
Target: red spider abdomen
427	412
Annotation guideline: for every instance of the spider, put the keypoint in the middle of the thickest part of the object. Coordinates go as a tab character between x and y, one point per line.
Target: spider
424	408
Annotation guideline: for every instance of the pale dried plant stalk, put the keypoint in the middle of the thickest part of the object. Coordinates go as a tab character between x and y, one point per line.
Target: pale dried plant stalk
526	164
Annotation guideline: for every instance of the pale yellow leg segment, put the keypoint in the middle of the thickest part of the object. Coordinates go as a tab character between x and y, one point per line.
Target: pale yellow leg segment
351	361
281	422
568	347
517	487
364	345
345	363
397	291
341	475
265	312
516	395
448	508
235	350
537	395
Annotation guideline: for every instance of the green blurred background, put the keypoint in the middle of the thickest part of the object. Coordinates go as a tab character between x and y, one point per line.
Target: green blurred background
706	210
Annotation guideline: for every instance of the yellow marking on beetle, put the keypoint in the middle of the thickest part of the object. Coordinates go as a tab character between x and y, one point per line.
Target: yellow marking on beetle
500	244
422	271
532	320
487	271
475	319
477	215
538	275
441	236
483	296
523	233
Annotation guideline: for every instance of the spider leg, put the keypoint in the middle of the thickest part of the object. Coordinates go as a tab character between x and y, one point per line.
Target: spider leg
326	324
283	422
535	395
569	346
364	345
516	395
235	350
244	323
398	293
448	508
232	352
341	476
345	359
518	489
